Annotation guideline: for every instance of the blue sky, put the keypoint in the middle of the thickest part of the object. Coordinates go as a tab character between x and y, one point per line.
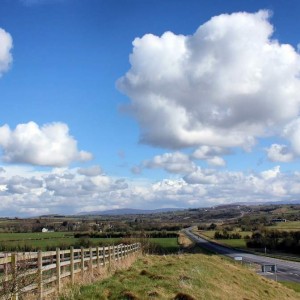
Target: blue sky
147	104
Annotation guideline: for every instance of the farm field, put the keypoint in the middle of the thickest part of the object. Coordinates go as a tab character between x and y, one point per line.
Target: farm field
288	226
51	240
168	245
34	236
211	233
236	243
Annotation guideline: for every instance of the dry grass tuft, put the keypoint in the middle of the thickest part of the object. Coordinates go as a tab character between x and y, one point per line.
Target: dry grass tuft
153	294
129	296
182	296
184	241
152	276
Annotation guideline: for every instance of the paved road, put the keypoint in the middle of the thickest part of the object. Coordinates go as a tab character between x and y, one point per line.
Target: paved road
286	270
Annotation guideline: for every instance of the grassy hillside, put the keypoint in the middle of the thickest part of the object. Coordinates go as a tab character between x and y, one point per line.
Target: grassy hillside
184	277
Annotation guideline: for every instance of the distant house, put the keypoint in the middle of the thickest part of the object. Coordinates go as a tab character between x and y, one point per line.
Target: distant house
278	220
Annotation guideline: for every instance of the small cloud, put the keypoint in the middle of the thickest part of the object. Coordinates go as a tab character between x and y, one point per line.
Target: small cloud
136	170
271	174
121	154
279	153
6	45
176	162
48	145
211	155
90	172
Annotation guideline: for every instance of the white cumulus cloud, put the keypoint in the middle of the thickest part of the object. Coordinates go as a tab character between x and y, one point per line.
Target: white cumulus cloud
176	162
91	171
6	45
211	155
279	153
48	145
225	85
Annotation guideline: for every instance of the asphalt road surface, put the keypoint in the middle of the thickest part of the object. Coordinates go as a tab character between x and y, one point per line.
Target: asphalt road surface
286	270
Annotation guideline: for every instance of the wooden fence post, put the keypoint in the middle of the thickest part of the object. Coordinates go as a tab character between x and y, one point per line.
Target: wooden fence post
104	252
118	256
114	253
5	271
82	261
72	264
98	258
91	261
14	261
40	275
58	270
109	258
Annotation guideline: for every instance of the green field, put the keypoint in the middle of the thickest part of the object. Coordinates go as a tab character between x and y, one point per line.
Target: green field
211	233
288	226
64	240
168	245
34	236
235	243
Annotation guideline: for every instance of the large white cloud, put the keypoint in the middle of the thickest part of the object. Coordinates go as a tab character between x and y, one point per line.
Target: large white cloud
225	85
48	145
6	45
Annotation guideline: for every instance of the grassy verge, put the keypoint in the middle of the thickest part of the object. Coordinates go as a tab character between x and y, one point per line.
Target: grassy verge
292	285
187	277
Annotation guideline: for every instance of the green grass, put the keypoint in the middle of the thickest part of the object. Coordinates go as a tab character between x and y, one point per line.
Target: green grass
168	245
60	243
43	241
211	233
34	235
198	276
292	285
235	243
292	225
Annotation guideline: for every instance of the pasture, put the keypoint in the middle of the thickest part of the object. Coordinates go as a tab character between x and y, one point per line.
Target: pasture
63	240
286	226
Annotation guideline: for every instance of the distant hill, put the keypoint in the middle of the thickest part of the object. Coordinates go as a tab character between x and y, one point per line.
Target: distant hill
280	202
128	211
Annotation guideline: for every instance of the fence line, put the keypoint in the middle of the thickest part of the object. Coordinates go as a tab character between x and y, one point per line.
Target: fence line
42	272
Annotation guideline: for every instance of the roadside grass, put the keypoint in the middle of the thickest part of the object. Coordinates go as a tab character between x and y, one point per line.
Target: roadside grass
187	276
292	285
235	243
